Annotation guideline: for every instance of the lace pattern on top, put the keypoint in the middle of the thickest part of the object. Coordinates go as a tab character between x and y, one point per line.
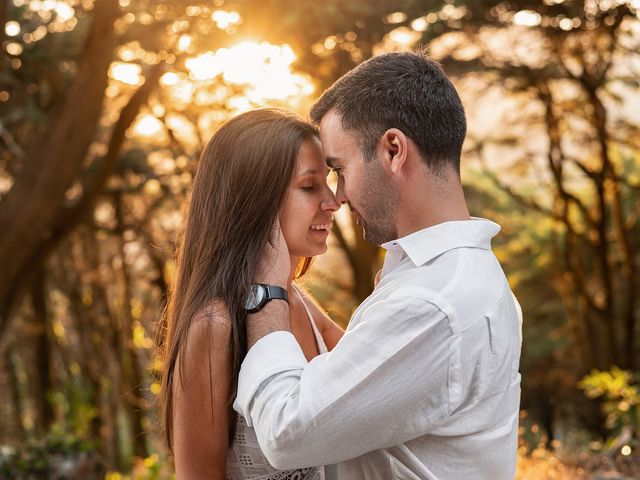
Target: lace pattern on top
245	460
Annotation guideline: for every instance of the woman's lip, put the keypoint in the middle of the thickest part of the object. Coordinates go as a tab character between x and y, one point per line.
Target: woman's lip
326	226
326	222
322	232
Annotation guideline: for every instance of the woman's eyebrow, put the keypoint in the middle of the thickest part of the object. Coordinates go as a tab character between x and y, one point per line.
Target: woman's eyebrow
313	171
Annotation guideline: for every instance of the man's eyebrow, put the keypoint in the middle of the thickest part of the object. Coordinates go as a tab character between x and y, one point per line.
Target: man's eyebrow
331	162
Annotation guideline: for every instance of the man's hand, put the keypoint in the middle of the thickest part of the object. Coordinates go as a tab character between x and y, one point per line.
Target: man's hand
275	265
377	279
274	269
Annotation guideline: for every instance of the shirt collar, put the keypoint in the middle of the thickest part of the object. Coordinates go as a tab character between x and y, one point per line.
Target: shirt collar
430	242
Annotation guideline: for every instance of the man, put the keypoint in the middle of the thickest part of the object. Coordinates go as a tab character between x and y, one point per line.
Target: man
425	382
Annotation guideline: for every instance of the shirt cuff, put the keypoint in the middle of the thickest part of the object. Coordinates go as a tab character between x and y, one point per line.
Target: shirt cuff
275	353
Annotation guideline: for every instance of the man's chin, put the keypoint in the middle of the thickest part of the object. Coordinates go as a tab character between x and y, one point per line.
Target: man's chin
377	236
371	238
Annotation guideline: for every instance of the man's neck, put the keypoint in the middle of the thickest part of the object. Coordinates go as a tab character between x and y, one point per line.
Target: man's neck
442	202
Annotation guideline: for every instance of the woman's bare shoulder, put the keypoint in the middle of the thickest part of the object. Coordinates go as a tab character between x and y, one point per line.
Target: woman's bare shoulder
330	331
201	393
213	317
209	334
319	313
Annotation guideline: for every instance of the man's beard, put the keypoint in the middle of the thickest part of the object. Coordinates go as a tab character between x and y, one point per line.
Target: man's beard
378	206
377	233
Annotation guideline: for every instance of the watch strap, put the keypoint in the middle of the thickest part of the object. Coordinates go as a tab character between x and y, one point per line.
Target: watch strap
271	292
274	292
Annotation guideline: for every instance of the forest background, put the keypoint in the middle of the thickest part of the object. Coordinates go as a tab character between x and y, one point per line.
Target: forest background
105	106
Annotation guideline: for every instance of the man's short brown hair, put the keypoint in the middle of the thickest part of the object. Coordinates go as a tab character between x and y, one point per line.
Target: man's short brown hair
408	91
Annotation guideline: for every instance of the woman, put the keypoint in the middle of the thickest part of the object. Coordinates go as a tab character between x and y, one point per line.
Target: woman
260	167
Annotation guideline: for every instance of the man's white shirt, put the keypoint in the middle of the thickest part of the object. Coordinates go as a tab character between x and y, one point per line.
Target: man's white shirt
423	385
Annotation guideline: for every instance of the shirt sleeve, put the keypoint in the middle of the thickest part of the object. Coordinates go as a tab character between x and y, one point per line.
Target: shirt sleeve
385	383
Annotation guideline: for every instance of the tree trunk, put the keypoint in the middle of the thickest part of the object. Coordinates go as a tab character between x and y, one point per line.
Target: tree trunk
43	371
16	397
131	369
363	260
54	162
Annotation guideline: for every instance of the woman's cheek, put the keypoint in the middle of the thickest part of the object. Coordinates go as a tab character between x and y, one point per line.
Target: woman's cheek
292	220
289	235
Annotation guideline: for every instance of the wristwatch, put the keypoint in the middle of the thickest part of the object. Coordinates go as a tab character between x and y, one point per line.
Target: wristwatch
260	294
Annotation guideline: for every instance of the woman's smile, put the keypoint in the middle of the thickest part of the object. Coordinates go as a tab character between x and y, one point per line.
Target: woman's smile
310	203
326	226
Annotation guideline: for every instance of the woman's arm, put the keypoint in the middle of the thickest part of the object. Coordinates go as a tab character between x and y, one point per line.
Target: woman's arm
200	394
330	331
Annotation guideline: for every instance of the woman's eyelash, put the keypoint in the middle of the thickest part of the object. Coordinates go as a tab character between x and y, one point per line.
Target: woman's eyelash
308	189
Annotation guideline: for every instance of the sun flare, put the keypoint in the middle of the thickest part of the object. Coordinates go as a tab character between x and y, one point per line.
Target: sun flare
262	71
127	73
264	68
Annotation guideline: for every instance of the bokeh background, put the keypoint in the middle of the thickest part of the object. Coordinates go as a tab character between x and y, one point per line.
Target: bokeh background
105	106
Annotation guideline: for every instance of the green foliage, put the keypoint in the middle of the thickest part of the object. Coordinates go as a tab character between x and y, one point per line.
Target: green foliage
111	264
619	393
74	402
153	467
47	457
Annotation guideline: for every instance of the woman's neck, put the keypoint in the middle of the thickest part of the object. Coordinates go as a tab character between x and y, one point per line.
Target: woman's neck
294	266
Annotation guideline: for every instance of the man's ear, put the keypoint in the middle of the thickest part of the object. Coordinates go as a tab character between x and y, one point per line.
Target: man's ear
394	146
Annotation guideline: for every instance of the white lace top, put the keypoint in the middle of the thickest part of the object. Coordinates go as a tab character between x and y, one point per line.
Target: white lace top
245	459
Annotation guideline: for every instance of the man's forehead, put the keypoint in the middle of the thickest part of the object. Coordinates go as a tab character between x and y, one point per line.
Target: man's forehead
336	141
331	122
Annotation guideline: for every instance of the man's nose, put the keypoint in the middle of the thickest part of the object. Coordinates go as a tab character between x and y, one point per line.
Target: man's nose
341	198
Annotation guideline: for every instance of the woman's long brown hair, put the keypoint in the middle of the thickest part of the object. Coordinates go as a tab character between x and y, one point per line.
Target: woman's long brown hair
240	184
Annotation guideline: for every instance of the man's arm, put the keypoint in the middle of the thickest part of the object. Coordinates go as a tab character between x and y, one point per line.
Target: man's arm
273	317
384	383
274	269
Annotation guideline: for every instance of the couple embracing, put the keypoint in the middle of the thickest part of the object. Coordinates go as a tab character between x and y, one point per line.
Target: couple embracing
258	382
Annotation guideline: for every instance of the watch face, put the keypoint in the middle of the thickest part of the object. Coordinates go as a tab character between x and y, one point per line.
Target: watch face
255	297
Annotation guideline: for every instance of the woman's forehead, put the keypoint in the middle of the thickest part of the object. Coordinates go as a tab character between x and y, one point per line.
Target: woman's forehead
310	159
